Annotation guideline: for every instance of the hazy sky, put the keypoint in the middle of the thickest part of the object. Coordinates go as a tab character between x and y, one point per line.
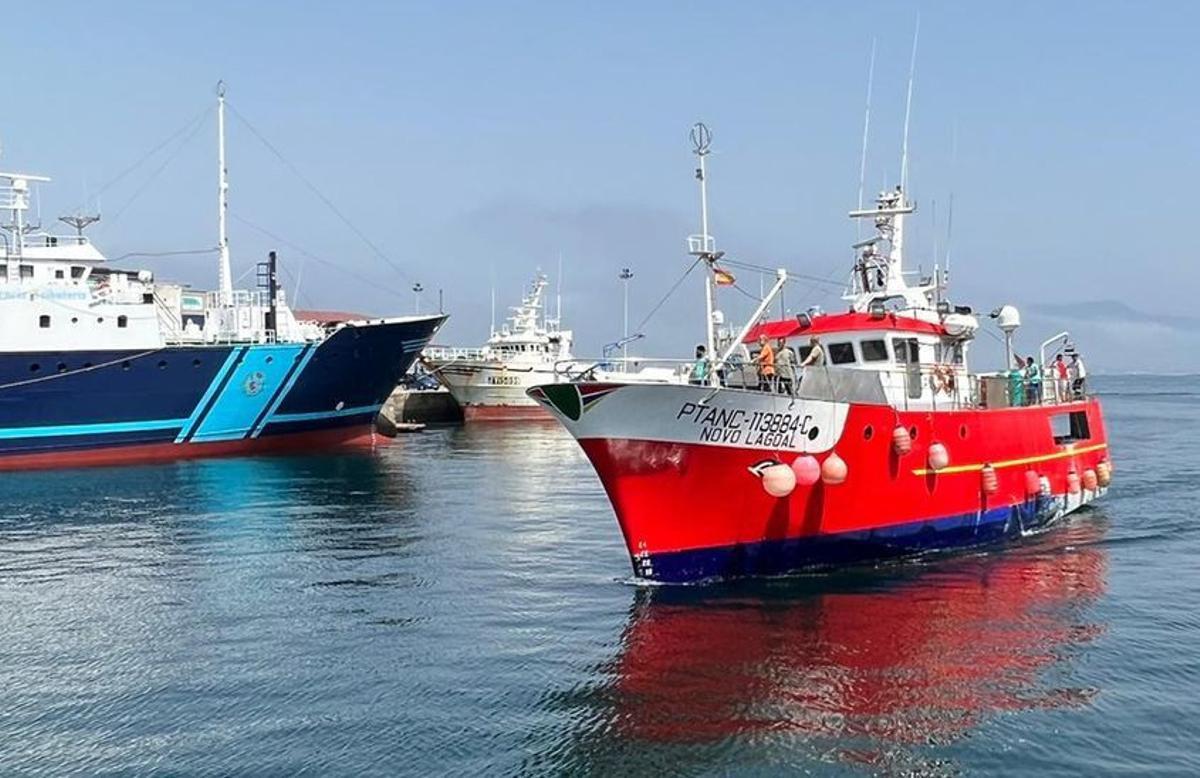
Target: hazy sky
478	141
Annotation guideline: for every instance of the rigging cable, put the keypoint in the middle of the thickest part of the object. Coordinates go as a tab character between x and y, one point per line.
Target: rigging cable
157	172
667	296
320	195
314	257
198	118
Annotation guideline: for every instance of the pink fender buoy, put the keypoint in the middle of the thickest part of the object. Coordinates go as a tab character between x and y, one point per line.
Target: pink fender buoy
1033	483
991	484
833	469
807	470
901	440
1073	482
1090	480
778	480
939	458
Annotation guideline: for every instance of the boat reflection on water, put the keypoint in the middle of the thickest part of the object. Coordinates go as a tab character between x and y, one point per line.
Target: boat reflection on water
869	661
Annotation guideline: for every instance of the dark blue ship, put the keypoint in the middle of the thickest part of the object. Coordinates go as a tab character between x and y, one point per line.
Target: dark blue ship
102	366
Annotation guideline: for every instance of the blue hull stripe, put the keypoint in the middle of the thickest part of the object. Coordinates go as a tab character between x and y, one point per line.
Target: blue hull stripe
777	557
286	387
206	401
90	429
289	417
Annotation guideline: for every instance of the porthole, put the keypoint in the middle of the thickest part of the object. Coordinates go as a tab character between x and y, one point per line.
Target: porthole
99	319
74	319
868	432
195	363
126	365
269	360
912	432
813	433
162	364
62	367
962	431
34	367
87	365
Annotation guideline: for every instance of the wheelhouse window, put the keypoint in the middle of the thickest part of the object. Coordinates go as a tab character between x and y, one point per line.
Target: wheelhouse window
122	321
906	351
26	271
58	273
1070	427
44	321
841	353
77	271
874	350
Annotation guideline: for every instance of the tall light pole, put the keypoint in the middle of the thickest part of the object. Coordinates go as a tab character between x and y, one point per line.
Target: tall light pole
626	274
417	289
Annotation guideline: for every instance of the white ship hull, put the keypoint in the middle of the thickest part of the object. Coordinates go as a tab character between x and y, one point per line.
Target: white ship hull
493	391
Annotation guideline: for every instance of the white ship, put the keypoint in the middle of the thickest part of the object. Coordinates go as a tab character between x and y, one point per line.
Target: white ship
530	348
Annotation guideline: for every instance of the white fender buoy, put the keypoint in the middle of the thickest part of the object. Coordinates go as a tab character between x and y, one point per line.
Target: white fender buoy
939	458
807	470
901	440
1044	483
1090	480
778	480
1103	472
833	469
1073	482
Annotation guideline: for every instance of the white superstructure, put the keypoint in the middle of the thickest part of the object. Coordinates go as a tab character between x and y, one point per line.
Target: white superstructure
530	348
57	292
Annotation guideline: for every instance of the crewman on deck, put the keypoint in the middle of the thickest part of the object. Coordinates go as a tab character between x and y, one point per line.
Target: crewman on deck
816	353
766	365
785	367
1033	377
699	373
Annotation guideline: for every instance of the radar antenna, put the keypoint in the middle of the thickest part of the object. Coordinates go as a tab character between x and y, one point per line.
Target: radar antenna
80	221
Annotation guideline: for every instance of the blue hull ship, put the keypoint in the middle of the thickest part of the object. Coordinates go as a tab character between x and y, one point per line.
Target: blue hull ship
101	365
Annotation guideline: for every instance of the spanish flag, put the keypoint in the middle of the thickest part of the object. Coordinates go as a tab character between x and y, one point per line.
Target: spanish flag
723	277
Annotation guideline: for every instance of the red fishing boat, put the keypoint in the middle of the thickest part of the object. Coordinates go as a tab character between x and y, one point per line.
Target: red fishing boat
889	445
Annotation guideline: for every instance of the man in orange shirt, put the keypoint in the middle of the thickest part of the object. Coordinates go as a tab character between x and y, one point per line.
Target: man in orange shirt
766	365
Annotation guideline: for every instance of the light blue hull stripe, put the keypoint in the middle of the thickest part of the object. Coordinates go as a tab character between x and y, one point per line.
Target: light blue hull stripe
90	429
317	415
194	419
304	359
246	394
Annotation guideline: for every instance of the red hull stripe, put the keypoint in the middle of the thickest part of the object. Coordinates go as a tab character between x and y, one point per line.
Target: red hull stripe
506	413
356	436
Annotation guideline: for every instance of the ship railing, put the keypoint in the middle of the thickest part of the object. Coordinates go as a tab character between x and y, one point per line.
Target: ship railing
448	353
630	369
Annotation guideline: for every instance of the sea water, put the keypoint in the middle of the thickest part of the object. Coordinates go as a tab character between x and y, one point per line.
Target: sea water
460	602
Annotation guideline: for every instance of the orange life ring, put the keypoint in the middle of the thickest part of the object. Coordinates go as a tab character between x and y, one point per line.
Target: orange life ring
943	378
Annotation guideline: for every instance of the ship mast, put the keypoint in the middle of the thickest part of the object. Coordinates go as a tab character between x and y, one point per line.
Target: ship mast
224	273
703	246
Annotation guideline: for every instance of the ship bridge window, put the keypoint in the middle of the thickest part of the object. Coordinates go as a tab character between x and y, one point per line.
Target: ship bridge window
77	271
4	270
874	350
906	351
44	321
1070	427
122	321
841	353
26	271
58	273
